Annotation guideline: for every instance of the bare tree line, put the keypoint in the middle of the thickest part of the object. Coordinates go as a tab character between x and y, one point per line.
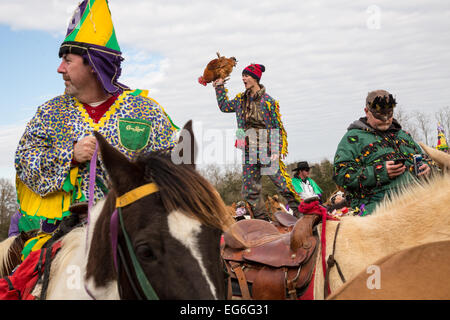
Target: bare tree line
8	205
422	125
228	180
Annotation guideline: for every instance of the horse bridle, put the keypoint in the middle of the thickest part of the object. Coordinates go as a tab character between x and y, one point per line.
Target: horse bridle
116	220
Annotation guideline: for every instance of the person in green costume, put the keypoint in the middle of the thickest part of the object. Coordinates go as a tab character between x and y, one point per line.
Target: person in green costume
376	156
53	156
303	184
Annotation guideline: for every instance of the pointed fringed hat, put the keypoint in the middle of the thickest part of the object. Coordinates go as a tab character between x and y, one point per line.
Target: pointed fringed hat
91	34
442	142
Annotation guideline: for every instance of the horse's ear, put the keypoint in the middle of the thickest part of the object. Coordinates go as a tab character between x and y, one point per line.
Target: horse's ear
121	172
441	158
185	150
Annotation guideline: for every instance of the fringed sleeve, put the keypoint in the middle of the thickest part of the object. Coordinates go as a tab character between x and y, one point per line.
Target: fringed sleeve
283	144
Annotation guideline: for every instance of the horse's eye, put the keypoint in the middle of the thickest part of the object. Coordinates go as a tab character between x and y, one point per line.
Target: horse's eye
143	251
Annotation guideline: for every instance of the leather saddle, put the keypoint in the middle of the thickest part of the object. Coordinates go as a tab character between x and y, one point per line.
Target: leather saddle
264	263
80	209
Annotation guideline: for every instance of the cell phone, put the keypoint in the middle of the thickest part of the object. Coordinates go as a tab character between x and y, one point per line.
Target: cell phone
417	163
401	160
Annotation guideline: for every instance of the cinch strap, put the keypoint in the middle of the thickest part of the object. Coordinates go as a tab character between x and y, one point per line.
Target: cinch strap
136	194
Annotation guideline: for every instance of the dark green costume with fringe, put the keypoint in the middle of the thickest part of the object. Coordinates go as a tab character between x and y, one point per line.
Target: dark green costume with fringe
359	163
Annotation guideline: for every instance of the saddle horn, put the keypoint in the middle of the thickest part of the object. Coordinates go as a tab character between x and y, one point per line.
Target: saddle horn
303	231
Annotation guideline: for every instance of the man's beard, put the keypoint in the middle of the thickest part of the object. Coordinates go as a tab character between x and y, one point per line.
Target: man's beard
383	127
70	90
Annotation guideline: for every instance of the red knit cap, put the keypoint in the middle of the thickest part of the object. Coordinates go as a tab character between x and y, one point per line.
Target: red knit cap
254	70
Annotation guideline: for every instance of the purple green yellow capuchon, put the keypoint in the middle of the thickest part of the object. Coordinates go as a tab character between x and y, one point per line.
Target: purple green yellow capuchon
442	142
91	34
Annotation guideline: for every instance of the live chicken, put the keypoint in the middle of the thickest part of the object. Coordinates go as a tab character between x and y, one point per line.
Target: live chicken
217	68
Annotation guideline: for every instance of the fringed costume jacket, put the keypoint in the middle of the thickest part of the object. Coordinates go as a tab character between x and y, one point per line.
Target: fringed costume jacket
47	179
270	110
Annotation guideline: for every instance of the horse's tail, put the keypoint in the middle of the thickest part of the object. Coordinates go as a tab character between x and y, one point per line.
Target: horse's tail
5	257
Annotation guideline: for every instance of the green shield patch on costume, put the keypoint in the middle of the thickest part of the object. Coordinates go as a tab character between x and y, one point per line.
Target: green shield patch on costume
134	134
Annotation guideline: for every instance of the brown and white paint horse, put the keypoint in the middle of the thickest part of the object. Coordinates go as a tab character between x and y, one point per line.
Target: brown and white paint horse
175	233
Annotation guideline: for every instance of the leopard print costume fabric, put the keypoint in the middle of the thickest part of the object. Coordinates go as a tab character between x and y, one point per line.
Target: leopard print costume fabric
44	155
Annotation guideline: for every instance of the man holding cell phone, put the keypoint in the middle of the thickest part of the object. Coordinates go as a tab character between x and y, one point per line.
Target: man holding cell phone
376	156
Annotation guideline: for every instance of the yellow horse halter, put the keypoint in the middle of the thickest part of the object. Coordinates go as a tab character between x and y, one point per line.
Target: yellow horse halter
136	194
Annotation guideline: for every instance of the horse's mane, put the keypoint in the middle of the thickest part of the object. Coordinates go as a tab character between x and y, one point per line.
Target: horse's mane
420	207
419	196
183	188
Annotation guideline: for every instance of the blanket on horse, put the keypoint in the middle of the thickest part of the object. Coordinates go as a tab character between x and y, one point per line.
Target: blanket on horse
20	285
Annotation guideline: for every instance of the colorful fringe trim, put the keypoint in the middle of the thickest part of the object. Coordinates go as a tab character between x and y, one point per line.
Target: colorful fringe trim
52	207
284	148
144	93
105	117
34	244
288	179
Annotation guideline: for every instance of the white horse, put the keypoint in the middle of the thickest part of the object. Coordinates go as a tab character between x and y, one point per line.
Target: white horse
68	270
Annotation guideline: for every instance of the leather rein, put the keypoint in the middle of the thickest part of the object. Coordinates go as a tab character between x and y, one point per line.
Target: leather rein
116	221
315	208
331	262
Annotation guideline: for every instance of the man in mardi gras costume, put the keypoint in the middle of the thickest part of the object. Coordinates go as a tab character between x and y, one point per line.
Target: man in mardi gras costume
261	136
375	156
52	159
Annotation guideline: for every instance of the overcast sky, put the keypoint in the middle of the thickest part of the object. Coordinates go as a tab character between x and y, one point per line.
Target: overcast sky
321	59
